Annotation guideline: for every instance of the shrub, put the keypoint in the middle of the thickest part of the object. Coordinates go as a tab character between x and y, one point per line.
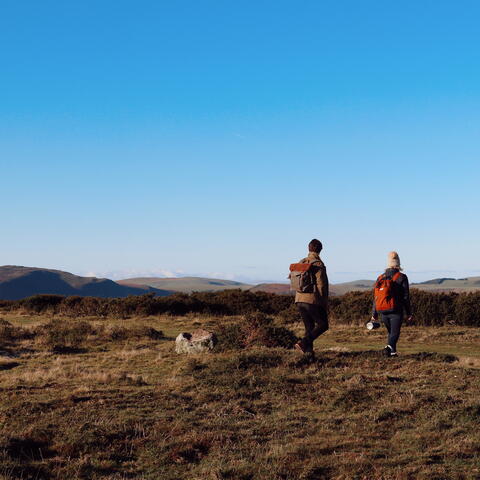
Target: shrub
10	333
7	305
41	303
81	306
230	337
290	315
255	329
354	307
6	331
436	309
467	310
64	336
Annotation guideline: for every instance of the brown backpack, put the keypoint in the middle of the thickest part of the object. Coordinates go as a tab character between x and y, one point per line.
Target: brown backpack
385	293
302	277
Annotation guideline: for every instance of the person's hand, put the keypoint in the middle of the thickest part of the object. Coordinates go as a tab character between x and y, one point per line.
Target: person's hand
409	319
374	318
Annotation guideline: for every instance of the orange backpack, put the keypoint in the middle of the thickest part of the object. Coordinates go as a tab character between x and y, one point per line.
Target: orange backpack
384	293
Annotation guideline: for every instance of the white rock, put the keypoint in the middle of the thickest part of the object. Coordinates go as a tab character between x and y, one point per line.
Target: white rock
198	341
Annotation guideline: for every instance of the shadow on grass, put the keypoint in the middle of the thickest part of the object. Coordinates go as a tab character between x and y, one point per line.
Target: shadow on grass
375	354
332	359
64	350
8	365
26	472
432	356
7	353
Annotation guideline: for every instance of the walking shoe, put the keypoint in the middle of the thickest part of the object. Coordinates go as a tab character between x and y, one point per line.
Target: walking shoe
307	359
299	346
387	351
394	354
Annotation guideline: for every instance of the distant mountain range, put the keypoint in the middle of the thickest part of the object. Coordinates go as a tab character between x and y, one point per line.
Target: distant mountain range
185	284
18	282
450	284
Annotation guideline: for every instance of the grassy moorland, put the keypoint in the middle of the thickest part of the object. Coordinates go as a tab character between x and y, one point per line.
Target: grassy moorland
109	399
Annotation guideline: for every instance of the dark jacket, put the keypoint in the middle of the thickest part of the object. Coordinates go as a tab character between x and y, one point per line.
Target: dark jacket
402	293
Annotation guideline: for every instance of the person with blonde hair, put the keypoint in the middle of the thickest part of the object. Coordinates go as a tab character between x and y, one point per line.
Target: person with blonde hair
392	300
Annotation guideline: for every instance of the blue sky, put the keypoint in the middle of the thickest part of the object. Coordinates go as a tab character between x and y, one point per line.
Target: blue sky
217	138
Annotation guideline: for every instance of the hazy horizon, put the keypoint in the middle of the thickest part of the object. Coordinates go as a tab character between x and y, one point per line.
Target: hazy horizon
334	277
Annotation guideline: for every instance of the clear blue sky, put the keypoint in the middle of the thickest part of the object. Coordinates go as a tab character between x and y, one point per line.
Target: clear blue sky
217	138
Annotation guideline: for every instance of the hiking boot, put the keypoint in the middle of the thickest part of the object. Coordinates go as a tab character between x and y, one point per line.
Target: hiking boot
307	359
387	351
309	356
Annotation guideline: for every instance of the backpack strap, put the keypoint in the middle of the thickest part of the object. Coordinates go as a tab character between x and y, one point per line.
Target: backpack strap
397	276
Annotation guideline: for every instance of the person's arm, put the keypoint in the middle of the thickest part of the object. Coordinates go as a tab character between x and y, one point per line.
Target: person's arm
374	310
406	296
322	282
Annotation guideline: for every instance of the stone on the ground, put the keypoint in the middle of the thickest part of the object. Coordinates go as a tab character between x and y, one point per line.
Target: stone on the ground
198	341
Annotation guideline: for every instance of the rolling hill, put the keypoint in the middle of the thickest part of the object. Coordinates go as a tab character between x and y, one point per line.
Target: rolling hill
185	284
18	282
335	289
277	288
470	284
355	286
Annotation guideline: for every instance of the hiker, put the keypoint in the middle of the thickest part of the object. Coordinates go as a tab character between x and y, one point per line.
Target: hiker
391	300
309	280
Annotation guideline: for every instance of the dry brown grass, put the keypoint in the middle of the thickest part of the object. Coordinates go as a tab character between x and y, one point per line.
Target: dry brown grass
126	406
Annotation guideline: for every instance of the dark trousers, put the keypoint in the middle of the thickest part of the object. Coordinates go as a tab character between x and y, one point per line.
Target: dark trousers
315	319
393	322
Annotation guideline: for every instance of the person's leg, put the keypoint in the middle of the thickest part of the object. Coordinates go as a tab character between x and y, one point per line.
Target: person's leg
386	321
321	321
394	332
309	322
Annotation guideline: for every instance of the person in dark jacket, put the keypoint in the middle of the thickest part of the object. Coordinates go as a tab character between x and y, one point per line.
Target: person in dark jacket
393	320
313	307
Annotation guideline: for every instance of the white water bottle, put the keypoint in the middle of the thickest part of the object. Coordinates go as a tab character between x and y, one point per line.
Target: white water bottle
372	325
